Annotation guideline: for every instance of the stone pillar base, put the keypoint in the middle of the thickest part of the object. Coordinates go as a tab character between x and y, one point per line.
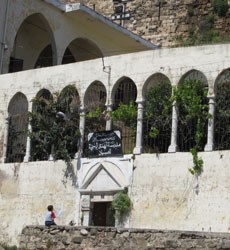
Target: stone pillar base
209	147
173	149
137	150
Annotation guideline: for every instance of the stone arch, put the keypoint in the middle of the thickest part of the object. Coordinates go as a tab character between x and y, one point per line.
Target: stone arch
157	117
46	96
18	125
34	42
41	105
187	127
81	49
154	80
125	93
222	111
95	96
194	75
94	104
68	116
69	101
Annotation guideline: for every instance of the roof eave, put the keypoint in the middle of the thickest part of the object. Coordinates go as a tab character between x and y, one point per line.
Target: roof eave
78	6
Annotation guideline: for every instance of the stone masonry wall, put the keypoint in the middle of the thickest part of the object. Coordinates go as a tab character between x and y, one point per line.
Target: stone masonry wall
68	238
168	24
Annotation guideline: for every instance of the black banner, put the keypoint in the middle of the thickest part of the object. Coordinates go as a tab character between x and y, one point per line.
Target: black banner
104	143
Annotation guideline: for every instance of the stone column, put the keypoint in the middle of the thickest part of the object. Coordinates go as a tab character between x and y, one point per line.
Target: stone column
5	140
138	147
173	146
210	137
85	210
109	122
51	156
28	145
82	132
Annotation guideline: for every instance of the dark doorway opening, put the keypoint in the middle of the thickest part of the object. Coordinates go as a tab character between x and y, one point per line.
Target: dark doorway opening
103	214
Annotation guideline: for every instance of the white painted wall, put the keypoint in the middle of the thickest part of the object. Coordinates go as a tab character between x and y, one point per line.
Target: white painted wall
164	194
25	192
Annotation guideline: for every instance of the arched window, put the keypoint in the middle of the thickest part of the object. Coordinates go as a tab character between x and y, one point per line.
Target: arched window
157	114
41	121
18	126
66	126
222	112
192	118
95	98
94	103
125	112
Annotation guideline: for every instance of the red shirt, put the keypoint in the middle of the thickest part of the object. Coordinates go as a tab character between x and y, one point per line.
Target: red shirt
53	215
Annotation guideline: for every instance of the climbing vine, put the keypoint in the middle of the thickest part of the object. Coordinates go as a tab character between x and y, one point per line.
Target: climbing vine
53	134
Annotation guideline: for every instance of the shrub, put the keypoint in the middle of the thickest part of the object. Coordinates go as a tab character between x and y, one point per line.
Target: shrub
121	203
220	7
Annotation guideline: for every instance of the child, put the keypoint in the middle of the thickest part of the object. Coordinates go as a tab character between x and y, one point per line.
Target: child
50	216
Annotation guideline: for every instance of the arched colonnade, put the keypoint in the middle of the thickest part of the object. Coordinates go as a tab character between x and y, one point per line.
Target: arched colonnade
123	91
35	45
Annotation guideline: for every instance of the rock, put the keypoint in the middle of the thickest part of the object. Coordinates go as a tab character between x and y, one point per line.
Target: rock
84	232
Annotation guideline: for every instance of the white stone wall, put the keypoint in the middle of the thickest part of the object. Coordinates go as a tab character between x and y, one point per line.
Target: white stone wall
173	63
166	196
163	192
25	192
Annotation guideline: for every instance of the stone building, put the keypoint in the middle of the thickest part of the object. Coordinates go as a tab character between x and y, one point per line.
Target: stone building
61	62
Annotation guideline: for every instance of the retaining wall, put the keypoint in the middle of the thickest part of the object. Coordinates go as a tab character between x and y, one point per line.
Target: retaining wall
60	238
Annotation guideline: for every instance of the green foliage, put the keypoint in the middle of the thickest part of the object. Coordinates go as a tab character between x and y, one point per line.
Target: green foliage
95	113
125	119
205	33
7	247
222	113
125	112
51	133
157	117
121	203
198	163
154	132
220	7
190	96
